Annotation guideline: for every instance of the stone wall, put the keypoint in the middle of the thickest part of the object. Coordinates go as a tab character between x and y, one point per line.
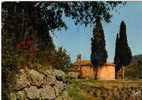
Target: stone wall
34	85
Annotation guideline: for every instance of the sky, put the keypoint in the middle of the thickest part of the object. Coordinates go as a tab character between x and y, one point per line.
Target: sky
77	39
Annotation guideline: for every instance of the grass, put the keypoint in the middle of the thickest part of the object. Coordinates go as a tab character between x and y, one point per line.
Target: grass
80	89
74	91
134	71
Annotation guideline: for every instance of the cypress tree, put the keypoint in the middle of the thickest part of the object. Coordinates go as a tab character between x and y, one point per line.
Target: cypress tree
98	50
116	57
123	53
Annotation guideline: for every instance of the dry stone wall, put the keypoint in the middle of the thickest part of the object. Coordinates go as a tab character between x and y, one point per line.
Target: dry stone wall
34	85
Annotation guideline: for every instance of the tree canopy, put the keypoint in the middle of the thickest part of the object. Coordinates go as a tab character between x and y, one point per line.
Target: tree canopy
53	12
98	50
123	53
81	12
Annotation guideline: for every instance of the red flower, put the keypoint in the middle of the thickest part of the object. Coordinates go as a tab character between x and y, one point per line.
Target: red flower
25	47
38	49
28	42
30	55
33	50
23	42
51	60
18	45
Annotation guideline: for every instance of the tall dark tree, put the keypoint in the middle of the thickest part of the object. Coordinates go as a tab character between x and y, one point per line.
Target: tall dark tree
117	58
123	52
98	50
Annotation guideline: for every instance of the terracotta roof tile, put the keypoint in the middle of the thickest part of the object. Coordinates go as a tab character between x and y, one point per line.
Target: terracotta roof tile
88	62
82	62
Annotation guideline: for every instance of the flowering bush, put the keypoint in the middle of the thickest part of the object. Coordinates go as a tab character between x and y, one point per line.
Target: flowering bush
27	52
51	60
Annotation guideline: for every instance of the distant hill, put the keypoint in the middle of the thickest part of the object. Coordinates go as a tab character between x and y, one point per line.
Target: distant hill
136	58
134	70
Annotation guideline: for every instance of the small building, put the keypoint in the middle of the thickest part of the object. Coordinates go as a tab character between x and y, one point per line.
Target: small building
86	70
106	72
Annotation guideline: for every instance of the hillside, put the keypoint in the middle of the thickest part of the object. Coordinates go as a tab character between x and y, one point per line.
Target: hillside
134	70
136	58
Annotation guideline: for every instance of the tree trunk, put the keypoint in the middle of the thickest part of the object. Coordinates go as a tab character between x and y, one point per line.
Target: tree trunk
96	73
116	75
123	72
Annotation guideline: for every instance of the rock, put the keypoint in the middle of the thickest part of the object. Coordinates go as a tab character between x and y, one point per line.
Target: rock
12	96
47	72
35	78
38	66
64	96
21	81
34	85
72	75
32	92
49	81
57	91
20	95
59	85
60	75
47	93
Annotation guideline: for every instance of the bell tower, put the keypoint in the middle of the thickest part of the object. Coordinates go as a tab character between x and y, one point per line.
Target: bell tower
79	56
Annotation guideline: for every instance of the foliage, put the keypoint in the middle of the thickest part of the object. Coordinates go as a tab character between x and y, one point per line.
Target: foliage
27	20
21	21
99	53
116	58
134	71
61	59
58	59
8	53
80	12
139	63
53	12
123	53
34	20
